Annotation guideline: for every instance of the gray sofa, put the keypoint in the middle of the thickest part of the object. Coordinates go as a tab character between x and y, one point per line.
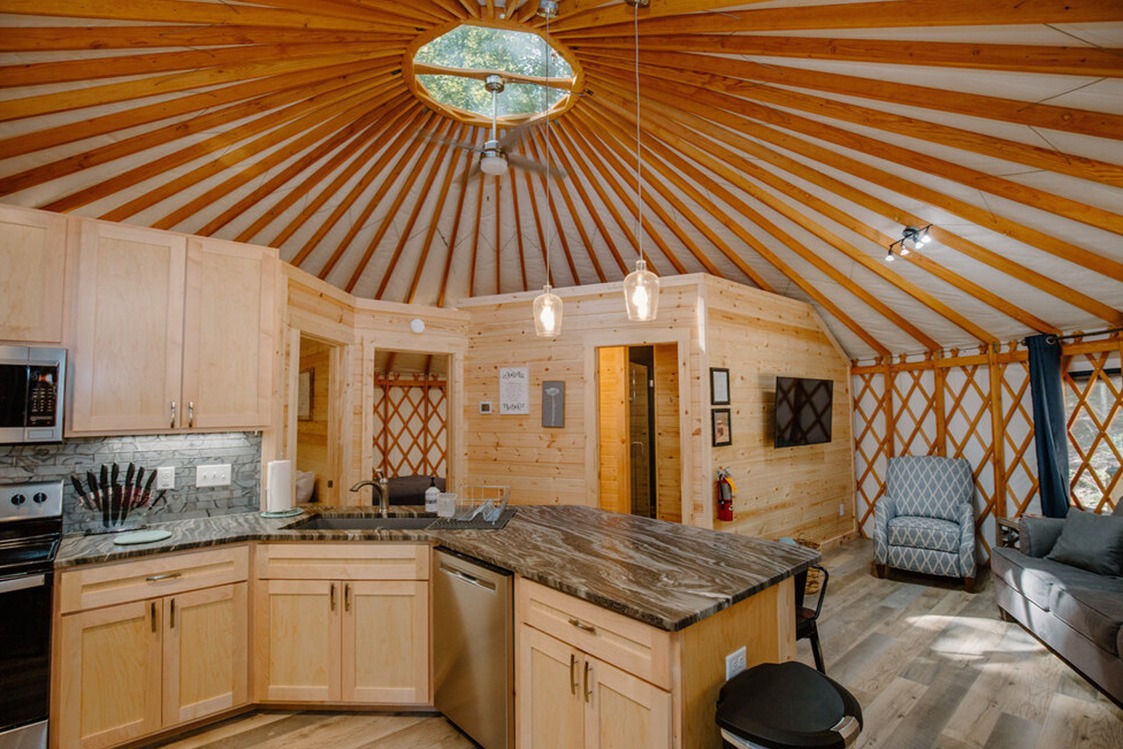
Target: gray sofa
1076	612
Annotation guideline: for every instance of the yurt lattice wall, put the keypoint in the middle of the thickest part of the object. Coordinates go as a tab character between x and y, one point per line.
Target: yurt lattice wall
411	425
954	404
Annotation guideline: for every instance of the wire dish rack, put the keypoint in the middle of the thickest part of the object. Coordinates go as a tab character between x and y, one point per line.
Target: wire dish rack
485	502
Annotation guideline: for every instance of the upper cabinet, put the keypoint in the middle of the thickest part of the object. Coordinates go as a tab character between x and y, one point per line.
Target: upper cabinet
169	332
32	264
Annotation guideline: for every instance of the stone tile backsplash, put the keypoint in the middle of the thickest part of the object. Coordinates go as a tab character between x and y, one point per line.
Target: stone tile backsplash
184	451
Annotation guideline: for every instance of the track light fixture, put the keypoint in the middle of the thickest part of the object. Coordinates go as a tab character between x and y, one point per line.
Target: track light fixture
911	239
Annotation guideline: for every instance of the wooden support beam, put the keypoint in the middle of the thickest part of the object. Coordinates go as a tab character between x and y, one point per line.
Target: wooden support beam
476	235
434	221
516	215
71	38
479	74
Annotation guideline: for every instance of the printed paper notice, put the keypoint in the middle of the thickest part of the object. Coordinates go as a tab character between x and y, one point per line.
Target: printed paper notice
514	390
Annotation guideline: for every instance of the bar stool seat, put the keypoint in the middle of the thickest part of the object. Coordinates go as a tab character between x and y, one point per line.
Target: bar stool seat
787	706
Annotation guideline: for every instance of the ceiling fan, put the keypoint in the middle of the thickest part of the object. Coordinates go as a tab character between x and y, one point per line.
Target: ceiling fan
495	154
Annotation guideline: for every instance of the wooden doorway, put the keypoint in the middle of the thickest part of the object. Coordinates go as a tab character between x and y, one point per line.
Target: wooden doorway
318	418
638	431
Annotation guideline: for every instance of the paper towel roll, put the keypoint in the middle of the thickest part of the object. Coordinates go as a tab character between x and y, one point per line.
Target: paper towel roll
278	488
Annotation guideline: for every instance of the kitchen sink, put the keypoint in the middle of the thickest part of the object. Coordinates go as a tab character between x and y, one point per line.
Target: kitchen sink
362	523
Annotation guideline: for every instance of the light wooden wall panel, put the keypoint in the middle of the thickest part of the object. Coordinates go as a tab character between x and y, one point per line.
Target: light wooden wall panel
615	495
312	435
668	446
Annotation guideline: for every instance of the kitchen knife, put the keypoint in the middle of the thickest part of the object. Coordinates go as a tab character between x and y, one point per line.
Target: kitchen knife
92	480
106	496
127	500
86	502
146	498
115	495
138	492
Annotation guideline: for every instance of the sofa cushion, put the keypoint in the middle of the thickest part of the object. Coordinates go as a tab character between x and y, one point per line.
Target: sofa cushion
924	533
1036	536
1094	608
1035	578
1092	542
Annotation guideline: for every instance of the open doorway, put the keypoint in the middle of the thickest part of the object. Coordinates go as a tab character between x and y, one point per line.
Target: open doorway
317	446
640	449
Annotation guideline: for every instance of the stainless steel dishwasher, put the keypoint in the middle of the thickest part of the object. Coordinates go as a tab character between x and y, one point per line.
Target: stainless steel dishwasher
473	648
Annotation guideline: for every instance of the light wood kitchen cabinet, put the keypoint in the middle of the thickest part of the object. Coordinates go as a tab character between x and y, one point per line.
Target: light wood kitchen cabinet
130	669
32	275
169	332
353	627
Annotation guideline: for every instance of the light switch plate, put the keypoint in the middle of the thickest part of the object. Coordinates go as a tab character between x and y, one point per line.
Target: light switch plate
212	475
165	477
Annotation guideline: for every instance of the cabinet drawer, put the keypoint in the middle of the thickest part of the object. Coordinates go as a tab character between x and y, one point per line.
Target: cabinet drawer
105	585
635	647
349	561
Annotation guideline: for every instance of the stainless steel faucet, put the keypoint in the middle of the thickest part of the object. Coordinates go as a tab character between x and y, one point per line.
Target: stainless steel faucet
382	487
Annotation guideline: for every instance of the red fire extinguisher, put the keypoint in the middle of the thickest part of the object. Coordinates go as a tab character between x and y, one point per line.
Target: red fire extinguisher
726	489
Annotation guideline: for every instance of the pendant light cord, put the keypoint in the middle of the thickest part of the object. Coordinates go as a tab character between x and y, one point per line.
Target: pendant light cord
546	107
639	144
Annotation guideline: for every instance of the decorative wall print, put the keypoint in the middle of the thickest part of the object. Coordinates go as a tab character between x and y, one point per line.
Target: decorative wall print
553	403
722	427
719	386
304	395
514	390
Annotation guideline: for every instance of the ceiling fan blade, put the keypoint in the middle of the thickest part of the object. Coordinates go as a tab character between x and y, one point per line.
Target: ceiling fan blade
521	162
515	135
446	141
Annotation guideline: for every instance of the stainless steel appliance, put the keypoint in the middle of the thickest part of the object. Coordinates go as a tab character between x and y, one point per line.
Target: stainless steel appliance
32	384
473	648
30	531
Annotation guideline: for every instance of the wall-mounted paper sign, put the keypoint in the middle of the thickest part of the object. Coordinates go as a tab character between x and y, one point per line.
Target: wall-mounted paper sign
514	390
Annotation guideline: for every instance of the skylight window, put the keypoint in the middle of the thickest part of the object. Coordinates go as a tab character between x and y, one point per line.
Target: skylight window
451	68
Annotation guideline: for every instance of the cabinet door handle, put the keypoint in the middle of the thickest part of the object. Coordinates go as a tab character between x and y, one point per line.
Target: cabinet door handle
163	576
152	613
583	626
347	596
333	596
190	414
588	682
172	423
171	614
572	673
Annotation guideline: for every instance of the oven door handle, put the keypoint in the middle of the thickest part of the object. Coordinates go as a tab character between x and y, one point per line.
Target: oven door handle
23	583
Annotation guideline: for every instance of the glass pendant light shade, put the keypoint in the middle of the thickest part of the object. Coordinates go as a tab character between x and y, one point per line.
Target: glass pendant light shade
641	293
547	313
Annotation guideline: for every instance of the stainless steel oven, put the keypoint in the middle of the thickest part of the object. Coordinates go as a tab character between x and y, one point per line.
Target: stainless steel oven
30	532
32	384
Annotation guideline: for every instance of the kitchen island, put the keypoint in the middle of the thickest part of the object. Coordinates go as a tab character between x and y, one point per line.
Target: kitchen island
636	609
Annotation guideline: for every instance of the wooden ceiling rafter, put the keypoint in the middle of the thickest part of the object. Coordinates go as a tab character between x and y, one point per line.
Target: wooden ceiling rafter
273	128
537	224
875	266
425	156
520	244
446	274
423	254
734	124
935	166
406	234
476	235
66	38
1031	114
394	153
498	261
213	99
605	14
549	185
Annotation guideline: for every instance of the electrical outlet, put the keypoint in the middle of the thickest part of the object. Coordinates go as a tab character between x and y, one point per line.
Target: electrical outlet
735	663
842	509
165	477
214	475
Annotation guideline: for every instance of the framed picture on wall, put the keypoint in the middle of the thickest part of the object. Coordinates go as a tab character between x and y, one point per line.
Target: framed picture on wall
304	395
553	403
719	386
722	427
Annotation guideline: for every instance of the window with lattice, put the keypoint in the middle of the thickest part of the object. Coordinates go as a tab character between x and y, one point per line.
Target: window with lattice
1094	402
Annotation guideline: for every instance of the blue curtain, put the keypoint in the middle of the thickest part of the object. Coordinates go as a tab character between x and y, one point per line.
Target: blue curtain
1049	423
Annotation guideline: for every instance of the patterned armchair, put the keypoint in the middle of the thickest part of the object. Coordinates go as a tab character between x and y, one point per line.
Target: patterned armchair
926	520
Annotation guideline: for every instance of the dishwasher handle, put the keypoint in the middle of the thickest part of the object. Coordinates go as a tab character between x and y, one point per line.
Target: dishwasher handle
465	577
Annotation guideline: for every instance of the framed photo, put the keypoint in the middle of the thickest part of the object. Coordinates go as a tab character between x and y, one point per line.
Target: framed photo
553	403
722	427
304	395
719	386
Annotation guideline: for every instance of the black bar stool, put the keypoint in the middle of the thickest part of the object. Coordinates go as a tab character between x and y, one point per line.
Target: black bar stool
787	706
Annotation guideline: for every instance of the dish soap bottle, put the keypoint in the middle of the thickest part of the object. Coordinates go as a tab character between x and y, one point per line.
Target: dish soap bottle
431	495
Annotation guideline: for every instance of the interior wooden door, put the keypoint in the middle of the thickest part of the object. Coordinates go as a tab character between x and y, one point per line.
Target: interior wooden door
297	640
615	490
229	335
549	693
109	667
126	339
386	642
622	711
32	274
206	666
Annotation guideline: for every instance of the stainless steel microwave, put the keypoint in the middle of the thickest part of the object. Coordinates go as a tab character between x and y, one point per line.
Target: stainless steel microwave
32	387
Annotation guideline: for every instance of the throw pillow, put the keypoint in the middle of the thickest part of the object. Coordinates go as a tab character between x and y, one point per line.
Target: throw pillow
1091	542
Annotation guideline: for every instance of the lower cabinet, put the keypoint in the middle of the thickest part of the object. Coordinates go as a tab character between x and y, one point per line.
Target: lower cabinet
569	699
135	668
342	639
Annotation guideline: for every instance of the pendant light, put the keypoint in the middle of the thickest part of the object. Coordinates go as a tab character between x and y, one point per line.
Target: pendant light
641	286
547	305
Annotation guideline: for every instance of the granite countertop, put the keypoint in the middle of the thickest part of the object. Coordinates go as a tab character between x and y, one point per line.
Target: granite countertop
663	574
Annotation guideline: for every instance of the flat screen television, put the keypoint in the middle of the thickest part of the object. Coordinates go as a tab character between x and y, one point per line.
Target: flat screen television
803	411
